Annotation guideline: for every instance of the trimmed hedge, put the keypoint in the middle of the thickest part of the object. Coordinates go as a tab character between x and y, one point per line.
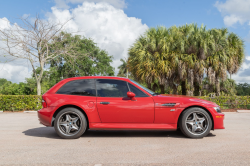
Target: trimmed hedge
230	102
20	102
34	102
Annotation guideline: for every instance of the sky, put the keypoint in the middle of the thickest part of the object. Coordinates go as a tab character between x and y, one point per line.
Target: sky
115	24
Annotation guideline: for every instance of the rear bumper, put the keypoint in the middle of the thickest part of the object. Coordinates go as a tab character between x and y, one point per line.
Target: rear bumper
218	119
45	115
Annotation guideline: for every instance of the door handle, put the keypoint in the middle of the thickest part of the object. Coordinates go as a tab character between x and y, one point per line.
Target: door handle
104	103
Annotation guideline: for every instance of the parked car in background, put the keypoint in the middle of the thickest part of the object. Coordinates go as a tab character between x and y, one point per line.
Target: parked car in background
77	104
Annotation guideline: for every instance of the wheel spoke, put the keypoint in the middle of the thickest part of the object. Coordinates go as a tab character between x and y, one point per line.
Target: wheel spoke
201	120
195	117
191	122
64	123
75	127
75	119
201	127
194	128
68	117
68	128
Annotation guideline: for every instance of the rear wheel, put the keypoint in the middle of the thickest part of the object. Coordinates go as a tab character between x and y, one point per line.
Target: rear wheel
195	123
70	123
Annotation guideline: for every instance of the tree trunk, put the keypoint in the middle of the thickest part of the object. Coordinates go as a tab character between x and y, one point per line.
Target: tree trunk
184	89
149	85
38	87
217	83
230	76
155	86
162	89
127	73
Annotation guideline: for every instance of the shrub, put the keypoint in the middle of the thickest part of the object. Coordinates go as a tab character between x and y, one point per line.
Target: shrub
230	102
34	102
20	102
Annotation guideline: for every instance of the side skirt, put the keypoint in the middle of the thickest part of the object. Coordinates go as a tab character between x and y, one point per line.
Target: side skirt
132	126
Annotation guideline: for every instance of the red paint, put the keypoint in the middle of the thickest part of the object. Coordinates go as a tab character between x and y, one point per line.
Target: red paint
128	112
131	95
132	126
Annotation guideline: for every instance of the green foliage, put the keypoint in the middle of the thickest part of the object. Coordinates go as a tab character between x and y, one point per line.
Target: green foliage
243	89
84	59
20	102
34	102
182	56
230	102
9	88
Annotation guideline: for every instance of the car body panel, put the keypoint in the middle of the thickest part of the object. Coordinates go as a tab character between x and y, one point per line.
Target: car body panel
132	126
124	110
123	113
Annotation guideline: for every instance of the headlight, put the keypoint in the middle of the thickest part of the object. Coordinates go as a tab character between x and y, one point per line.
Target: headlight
217	109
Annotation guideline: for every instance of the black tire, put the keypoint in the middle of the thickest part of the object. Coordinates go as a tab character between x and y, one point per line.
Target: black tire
188	124
72	114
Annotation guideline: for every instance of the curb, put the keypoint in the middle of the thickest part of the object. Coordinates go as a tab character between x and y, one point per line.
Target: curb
29	111
243	111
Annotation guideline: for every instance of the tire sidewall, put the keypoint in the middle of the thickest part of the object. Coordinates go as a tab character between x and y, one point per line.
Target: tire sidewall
83	123
183	127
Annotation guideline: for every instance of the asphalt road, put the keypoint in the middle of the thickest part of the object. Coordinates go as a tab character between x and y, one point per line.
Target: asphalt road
23	141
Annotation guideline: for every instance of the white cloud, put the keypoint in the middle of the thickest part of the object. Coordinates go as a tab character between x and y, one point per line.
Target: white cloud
13	72
108	26
120	4
244	73
234	11
4	23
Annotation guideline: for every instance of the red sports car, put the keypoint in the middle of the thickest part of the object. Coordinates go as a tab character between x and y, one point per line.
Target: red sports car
96	102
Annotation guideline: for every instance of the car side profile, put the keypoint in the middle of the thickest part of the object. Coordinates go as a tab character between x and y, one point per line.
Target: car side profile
77	104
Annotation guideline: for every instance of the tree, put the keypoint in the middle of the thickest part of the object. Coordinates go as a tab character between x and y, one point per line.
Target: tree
243	89
31	40
123	68
88	59
179	57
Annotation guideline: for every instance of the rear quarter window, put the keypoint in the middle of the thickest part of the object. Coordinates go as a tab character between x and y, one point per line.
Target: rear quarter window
83	87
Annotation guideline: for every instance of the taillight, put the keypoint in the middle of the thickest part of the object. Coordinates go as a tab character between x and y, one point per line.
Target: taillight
44	103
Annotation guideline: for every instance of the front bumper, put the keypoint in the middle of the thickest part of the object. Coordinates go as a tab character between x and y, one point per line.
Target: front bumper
218	119
45	115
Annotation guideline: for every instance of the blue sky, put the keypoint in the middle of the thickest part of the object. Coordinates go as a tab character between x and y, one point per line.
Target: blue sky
134	16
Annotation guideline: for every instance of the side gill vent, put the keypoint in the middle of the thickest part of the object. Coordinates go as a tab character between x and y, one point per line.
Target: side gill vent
169	104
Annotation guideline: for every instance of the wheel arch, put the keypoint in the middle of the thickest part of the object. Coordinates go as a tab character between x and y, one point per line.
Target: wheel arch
198	107
65	106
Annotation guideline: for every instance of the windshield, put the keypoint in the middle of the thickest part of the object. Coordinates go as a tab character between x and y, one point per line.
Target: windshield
146	89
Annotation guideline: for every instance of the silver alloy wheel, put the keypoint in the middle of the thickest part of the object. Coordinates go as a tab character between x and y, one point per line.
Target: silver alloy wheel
197	123
69	123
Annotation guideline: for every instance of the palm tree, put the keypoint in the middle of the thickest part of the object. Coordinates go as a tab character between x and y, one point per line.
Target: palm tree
123	68
180	57
149	58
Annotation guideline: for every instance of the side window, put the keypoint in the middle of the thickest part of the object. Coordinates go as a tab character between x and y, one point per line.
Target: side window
136	91
111	88
84	87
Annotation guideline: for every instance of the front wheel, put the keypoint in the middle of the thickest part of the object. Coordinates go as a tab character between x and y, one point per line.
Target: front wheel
195	123
70	123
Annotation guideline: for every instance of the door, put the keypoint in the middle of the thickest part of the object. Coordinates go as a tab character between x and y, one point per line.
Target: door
115	107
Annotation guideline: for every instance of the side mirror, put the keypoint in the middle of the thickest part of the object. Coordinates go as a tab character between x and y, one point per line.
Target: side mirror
131	95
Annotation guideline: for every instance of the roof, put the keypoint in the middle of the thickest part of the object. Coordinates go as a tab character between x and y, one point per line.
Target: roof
97	77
